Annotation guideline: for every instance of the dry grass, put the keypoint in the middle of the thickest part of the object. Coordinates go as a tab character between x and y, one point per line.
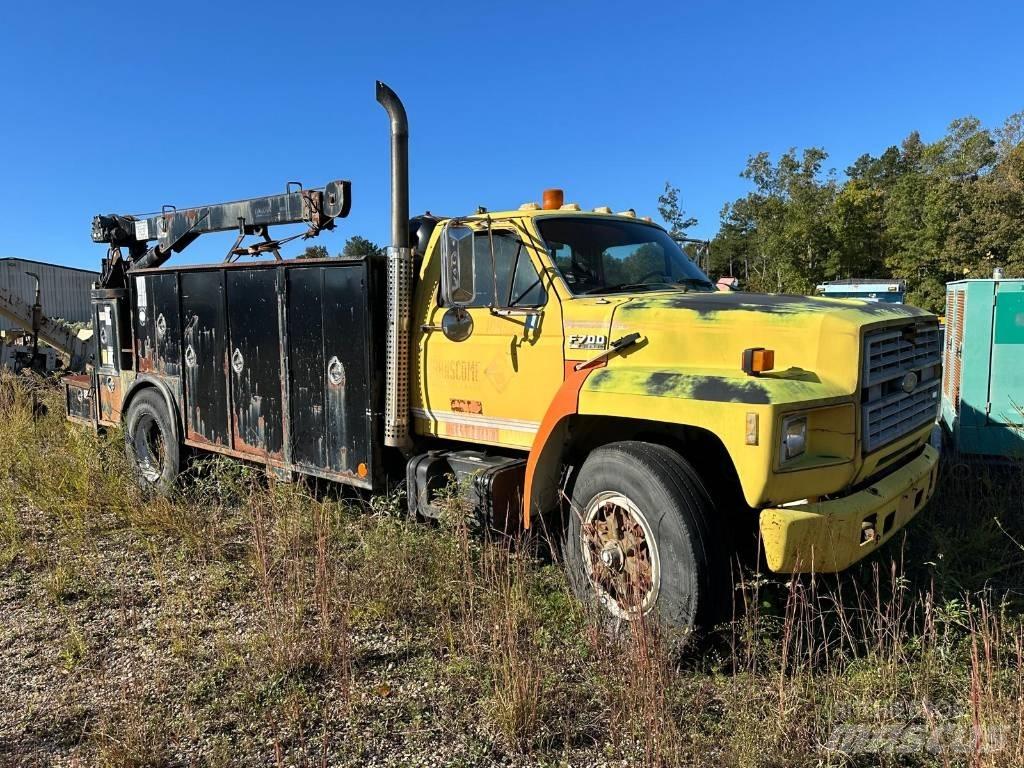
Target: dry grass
244	621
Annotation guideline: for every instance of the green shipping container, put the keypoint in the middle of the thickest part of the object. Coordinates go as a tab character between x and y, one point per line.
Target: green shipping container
983	367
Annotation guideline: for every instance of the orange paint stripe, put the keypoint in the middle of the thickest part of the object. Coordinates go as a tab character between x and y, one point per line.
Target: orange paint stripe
566	402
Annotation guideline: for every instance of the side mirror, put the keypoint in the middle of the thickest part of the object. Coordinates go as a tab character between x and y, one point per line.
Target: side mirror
457	266
457	324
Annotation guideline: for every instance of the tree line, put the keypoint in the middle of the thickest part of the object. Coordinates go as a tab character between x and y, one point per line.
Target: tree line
355	247
927	213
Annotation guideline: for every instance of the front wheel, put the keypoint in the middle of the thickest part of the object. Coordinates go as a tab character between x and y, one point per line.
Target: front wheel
640	539
151	442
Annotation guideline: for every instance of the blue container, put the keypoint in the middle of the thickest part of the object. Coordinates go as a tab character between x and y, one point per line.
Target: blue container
983	367
885	291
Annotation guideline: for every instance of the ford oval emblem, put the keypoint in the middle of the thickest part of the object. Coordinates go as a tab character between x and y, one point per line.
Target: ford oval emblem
909	383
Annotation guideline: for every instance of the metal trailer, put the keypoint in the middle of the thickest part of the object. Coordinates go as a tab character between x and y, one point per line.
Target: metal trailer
885	291
983	367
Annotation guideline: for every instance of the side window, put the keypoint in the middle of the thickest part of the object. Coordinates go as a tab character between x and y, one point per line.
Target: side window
514	277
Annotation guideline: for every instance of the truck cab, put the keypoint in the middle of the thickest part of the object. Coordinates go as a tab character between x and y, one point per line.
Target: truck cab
561	333
574	370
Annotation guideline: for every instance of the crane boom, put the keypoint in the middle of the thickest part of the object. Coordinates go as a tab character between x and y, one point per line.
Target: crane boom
175	229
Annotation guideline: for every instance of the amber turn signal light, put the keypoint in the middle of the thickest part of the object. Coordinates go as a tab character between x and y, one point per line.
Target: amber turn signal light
553	199
758	360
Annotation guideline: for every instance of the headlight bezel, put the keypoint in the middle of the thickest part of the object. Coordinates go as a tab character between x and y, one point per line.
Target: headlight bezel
793	437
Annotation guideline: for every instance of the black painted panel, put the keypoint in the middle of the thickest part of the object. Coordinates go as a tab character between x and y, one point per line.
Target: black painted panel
345	352
328	345
305	360
157	324
167	323
205	361
255	361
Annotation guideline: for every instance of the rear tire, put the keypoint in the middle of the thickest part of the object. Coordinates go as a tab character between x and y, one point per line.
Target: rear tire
151	442
640	539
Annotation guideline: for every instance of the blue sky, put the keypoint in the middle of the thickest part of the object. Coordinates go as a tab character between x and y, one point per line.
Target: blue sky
122	108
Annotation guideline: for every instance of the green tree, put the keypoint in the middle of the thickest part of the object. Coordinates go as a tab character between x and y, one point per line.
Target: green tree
675	218
924	212
358	247
314	252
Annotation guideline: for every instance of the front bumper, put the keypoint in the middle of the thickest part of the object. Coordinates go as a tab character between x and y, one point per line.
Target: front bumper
830	536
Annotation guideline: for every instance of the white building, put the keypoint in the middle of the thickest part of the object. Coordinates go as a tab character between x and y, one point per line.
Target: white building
65	290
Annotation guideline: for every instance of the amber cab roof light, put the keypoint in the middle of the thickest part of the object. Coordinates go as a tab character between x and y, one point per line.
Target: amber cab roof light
553	199
757	360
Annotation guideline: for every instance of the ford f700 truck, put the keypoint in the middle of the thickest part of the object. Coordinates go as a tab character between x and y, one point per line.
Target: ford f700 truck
571	368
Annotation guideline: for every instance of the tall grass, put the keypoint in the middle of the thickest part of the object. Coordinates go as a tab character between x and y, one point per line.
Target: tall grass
914	658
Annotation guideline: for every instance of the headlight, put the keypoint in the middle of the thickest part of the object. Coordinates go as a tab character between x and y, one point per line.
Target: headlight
794	437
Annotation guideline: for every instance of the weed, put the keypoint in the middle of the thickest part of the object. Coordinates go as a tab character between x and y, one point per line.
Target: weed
303	628
74	647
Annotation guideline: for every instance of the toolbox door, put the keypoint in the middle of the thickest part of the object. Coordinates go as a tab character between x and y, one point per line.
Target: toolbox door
157	324
204	338
331	386
255	362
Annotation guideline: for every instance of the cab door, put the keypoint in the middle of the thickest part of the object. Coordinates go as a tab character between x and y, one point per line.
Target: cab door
494	385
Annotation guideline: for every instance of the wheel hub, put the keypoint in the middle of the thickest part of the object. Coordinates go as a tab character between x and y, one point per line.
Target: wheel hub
612	557
620	555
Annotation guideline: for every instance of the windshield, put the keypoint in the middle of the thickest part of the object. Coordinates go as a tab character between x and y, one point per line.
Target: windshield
608	255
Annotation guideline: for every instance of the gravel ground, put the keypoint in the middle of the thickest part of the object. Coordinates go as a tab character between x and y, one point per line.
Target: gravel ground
115	650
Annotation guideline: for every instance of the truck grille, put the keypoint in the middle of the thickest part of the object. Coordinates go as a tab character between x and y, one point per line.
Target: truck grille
889	411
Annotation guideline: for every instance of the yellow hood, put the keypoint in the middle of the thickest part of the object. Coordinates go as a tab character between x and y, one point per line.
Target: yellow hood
692	341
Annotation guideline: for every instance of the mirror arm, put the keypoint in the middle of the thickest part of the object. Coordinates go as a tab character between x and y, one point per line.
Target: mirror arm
515	312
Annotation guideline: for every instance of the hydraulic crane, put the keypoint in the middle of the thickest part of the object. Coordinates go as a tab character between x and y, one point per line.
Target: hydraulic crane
175	229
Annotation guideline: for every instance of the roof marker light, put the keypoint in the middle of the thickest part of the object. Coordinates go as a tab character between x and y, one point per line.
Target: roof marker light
553	199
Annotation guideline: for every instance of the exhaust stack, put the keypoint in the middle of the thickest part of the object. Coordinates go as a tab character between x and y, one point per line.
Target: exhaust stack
399	278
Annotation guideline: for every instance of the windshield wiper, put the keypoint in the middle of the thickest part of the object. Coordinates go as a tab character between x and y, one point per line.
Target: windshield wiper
696	281
626	287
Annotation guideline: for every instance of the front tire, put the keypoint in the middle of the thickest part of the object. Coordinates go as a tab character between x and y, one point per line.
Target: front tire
640	540
151	442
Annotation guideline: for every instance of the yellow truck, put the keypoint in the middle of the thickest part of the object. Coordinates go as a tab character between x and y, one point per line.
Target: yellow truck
573	369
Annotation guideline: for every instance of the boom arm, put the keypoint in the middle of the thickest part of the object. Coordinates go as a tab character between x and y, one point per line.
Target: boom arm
174	229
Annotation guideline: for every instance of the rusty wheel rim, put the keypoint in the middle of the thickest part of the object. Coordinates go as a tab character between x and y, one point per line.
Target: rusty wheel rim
148	442
620	555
